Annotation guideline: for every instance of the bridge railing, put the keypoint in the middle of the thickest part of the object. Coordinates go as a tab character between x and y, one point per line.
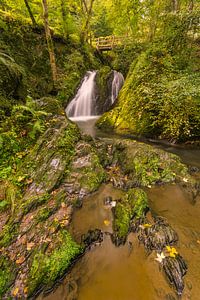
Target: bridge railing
108	42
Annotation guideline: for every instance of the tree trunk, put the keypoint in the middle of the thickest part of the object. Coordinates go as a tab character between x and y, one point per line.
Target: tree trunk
88	12
49	41
30	13
64	17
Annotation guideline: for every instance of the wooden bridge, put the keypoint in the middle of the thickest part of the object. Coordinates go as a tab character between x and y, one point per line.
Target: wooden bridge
109	42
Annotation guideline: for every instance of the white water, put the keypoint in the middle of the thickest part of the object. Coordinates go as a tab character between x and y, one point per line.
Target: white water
82	104
82	107
117	84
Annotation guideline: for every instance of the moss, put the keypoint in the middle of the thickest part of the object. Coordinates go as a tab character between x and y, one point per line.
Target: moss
148	165
122	219
45	269
69	138
133	204
6	274
8	233
138	202
91	177
153	99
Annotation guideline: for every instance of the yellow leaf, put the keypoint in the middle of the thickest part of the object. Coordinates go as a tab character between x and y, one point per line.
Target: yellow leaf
171	254
26	290
147	225
15	292
168	248
106	222
173	250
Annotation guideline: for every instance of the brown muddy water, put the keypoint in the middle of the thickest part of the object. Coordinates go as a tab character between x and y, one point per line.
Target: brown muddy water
107	272
127	272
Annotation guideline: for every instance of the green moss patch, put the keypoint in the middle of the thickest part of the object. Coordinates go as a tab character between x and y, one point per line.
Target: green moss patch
45	269
6	274
133	204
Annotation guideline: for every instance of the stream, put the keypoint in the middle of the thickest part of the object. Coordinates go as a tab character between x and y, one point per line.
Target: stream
107	272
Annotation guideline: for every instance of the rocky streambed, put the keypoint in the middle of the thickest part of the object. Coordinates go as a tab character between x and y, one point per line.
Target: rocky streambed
40	239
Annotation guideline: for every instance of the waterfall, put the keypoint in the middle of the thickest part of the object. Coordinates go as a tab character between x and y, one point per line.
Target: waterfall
88	104
83	103
117	84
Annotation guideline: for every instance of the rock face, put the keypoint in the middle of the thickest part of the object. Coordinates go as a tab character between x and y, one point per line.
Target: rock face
109	83
60	170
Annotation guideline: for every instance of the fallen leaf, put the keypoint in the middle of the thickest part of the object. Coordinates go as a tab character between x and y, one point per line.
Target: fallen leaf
147	225
106	222
26	290
20	260
198	242
15	292
30	245
63	205
171	254
160	257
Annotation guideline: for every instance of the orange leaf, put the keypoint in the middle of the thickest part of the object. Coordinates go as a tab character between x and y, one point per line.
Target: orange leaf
20	260
15	292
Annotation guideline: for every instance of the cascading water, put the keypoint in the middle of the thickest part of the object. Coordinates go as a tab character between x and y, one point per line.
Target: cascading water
83	103
87	105
117	84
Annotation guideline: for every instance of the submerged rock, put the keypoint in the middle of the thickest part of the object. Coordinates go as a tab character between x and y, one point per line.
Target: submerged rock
157	236
175	269
92	237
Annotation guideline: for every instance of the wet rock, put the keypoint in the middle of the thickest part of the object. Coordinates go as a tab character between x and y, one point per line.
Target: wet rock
175	268
157	236
108	201
193	169
92	237
118	240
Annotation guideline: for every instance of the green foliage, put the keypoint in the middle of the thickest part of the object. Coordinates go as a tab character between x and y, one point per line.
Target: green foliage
45	269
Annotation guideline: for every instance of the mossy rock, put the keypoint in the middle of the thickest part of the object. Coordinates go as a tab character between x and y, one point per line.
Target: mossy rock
45	269
86	168
150	165
133	204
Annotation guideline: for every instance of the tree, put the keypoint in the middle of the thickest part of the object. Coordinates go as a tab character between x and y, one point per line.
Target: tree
87	12
49	41
30	13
